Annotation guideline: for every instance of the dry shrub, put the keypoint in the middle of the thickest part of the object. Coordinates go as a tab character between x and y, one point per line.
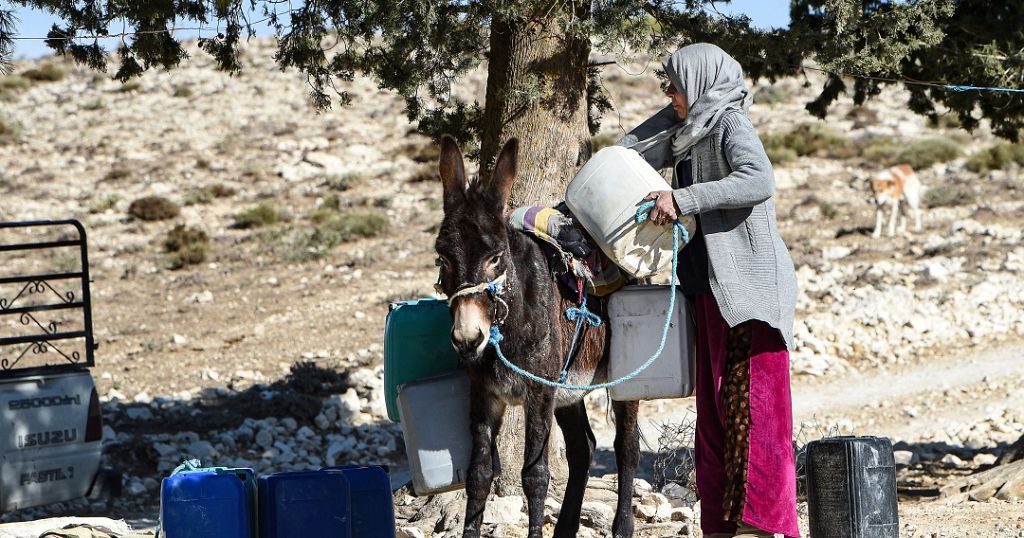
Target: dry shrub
206	194
421	152
46	73
263	214
601	141
332	227
130	86
152	208
186	245
808	139
949	196
117	173
345	227
343	182
771	95
998	157
9	132
862	116
11	85
918	153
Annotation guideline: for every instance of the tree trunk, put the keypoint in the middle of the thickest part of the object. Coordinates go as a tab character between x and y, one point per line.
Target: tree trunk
536	91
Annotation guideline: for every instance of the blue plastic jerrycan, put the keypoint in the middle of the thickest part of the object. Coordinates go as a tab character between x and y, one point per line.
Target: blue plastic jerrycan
208	503
304	504
373	510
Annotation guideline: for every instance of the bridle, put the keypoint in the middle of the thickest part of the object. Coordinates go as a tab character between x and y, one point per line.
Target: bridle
495	288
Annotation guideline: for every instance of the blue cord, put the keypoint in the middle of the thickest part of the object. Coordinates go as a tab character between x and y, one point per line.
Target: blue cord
642	215
579	315
982	89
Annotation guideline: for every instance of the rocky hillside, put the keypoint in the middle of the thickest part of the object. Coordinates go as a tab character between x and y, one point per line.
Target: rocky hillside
234	232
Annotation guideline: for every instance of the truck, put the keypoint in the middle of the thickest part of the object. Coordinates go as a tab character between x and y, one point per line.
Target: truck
51	432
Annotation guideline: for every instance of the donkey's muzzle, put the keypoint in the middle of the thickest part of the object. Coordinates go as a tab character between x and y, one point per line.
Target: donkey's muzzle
471	323
470	347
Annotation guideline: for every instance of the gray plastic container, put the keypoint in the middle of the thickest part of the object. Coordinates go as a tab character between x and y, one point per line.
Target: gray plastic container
435	421
636	318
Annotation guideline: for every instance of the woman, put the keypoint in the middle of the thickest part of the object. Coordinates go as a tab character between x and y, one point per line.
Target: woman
740	279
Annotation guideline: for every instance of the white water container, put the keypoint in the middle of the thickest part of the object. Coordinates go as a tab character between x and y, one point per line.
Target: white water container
435	422
636	316
604	197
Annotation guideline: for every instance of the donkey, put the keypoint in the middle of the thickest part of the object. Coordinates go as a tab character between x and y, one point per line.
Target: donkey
476	247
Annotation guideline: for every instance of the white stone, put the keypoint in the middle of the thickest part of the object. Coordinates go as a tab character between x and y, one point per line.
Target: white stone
135	488
645	512
164	449
662	507
984	459
935	269
596	514
409	532
138	413
835	252
507	510
339	448
331	163
264	438
985	293
201	297
202	450
904	458
641	486
348	404
951	460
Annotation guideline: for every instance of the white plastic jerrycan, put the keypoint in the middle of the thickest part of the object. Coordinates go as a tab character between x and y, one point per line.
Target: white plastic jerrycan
605	195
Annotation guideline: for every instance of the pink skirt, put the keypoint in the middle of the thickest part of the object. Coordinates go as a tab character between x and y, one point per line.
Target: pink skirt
746	470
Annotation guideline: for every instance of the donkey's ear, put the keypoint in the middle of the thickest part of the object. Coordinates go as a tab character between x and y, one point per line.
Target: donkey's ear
452	170
505	170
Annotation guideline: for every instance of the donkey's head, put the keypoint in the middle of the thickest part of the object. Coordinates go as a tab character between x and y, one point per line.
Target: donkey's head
472	245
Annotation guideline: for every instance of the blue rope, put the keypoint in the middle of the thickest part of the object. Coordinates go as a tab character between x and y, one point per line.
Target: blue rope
579	315
939	85
982	89
642	214
187	466
496	288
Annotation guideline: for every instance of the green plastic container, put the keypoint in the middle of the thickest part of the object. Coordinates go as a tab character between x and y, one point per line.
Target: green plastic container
417	344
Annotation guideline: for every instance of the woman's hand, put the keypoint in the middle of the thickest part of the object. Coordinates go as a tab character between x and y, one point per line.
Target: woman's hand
665	209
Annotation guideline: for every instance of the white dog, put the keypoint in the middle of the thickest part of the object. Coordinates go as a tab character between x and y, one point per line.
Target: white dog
889	187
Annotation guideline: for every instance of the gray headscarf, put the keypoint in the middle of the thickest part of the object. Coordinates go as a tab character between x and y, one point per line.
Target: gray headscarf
713	83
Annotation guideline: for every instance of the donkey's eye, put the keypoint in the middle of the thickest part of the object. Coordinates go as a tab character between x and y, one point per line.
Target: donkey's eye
494	260
442	262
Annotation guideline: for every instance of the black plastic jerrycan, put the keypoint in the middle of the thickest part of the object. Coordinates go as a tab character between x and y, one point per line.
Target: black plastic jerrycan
851	488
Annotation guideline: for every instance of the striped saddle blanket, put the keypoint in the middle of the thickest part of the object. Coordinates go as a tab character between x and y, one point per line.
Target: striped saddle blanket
548	224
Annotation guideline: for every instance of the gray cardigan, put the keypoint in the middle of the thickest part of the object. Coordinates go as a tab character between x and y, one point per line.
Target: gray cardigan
751	273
